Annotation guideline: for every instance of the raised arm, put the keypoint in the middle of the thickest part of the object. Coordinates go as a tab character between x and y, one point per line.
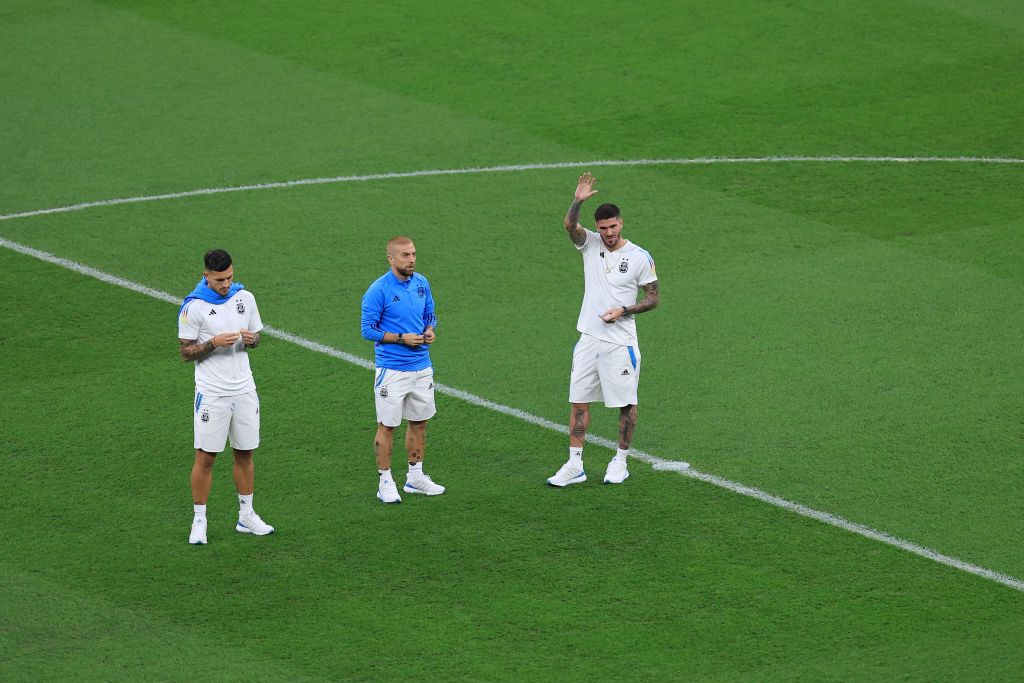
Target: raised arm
584	191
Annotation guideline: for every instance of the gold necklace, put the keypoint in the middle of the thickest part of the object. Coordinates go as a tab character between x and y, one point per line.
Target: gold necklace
608	261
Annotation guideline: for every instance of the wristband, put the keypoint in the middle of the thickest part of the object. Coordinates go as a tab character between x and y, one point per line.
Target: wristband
399	340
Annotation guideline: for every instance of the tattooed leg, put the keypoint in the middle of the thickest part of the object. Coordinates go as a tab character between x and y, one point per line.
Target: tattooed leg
579	420
627	423
416	440
382	444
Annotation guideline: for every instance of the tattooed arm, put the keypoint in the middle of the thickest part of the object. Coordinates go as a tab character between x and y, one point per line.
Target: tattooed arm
584	191
652	298
649	302
192	350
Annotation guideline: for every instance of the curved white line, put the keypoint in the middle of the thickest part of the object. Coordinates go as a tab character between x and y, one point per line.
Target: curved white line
657	463
507	169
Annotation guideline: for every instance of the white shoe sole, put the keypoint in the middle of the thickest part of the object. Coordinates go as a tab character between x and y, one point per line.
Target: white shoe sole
242	529
579	479
609	481
201	541
413	489
387	502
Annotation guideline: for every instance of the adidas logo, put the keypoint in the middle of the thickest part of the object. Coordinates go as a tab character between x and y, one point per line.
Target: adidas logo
625	372
396	298
213	312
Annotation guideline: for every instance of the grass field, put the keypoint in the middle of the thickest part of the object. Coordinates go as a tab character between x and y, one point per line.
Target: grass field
842	334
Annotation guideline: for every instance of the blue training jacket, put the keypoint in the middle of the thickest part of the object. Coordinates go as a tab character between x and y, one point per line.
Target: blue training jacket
391	305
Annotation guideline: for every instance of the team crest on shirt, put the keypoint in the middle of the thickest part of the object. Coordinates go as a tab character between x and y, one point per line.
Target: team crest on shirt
623	266
205	417
421	291
383	392
240	307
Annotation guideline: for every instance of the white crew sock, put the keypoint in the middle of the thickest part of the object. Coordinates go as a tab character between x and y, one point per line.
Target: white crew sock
621	453
200	512
385	475
244	504
576	456
415	468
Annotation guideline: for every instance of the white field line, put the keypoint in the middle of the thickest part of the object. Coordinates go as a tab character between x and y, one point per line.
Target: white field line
660	464
508	169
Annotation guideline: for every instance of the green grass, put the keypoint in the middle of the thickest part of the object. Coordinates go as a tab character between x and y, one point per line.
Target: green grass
842	335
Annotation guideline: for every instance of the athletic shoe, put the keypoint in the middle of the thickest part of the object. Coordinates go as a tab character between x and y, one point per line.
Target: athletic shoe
250	523
387	492
568	474
422	484
616	472
198	534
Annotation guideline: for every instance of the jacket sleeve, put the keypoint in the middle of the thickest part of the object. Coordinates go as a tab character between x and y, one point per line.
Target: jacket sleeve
429	316
372	313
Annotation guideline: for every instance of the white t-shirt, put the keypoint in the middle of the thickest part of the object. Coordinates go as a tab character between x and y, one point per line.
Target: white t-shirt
225	372
611	279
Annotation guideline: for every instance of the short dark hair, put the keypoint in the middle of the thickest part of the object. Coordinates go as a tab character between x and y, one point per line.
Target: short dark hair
606	211
217	260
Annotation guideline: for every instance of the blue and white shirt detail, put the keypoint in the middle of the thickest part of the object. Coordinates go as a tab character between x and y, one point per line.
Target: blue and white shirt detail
399	307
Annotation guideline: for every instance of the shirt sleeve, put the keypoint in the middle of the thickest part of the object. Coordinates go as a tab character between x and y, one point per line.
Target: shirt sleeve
188	326
647	273
372	312
255	321
429	316
592	239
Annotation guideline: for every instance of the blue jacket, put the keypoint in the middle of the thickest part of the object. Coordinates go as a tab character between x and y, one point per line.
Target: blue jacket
391	305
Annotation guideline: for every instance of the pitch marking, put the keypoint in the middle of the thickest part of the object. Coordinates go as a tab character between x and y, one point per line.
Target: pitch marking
507	169
660	464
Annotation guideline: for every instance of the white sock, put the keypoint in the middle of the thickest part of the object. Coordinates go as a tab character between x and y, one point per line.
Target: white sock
621	453
576	455
416	468
385	475
200	512
244	504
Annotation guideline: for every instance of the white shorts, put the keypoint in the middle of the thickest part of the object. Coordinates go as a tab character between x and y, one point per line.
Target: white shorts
602	371
217	417
403	394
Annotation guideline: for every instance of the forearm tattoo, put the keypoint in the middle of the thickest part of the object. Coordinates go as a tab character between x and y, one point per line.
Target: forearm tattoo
192	350
572	223
627	423
650	301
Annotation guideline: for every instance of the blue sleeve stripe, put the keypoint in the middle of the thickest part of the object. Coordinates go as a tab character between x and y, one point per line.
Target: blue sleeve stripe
632	356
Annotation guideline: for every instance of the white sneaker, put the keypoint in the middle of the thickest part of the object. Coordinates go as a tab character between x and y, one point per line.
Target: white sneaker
568	474
422	484
250	523
198	533
616	472
387	492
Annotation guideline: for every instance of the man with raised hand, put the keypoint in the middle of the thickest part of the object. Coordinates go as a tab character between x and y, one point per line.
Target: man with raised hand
218	324
606	360
398	317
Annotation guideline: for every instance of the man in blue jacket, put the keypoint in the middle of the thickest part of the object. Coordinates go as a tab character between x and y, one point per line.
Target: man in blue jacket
398	316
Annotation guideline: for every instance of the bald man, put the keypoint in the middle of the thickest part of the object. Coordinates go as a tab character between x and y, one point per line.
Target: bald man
398	317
